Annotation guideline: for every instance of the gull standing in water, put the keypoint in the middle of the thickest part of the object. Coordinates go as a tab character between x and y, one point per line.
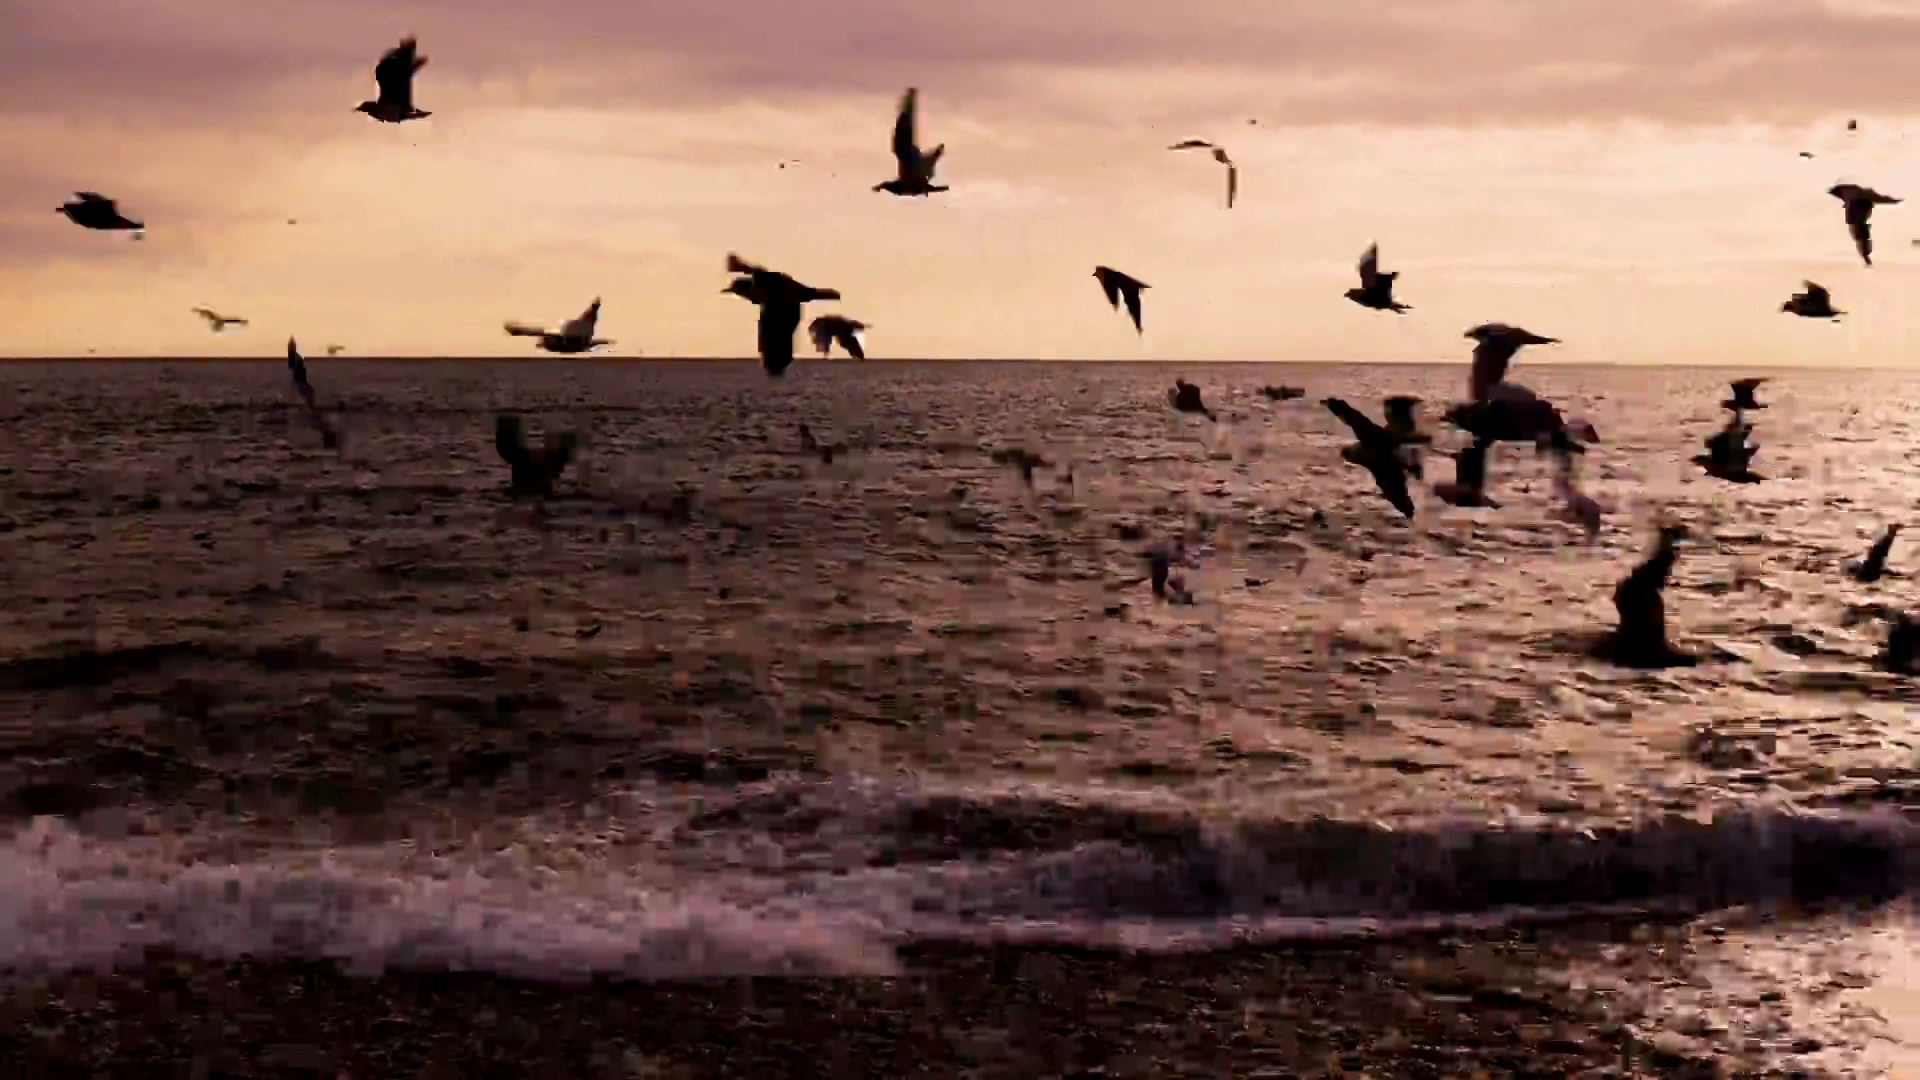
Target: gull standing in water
1219	155
217	322
1119	286
914	167
1860	202
394	75
1378	451
1812	302
828	330
780	299
92	210
1376	288
574	335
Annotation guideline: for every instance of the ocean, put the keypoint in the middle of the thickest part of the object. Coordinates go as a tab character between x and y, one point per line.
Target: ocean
275	715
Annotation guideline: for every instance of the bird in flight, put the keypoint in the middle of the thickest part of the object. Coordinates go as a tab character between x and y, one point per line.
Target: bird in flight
1812	302
394	74
297	367
574	335
1860	202
1376	288
780	299
217	322
1378	451
829	330
335	350
92	210
1119	286
1493	351
915	166
1219	155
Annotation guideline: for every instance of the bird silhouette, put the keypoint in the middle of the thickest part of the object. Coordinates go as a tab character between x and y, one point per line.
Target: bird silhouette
1640	638
92	210
914	167
217	322
533	471
1376	289
780	299
829	330
1860	202
1378	451
1742	399
297	368
1185	397
1812	302
574	335
394	75
1219	155
1729	455
1493	352
1119	286
1874	566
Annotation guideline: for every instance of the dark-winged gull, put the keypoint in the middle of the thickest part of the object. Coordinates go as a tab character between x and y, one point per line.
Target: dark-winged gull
1118	287
1640	639
1376	289
914	166
92	210
1812	302
1469	484
534	471
574	335
1742	399
829	330
394	74
1185	397
1220	155
1729	455
1494	347
1874	566
1378	451
217	322
1860	202
297	367
780	299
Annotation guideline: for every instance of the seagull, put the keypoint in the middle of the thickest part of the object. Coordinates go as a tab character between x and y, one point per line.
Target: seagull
297	366
394	73
1469	484
574	335
1640	640
1282	393
1860	202
1874	566
1496	344
830	329
1729	453
216	321
1117	285
335	350
1813	302
1185	397
92	210
1376	288
779	299
1742	398
1513	413
1377	451
1808	154
915	166
533	471
1219	155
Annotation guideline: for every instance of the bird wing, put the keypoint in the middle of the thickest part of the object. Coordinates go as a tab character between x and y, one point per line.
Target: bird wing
849	338
1191	144
1491	358
523	330
778	321
1370	266
1132	297
738	265
1364	429
905	149
1747	386
207	314
510	441
1816	294
1391	475
1233	183
1110	285
394	73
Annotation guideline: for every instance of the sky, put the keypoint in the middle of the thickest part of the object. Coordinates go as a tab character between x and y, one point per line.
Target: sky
1621	174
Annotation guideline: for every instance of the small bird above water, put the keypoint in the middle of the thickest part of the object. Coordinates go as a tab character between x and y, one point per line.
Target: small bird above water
217	322
574	335
92	210
1493	352
1185	397
1742	399
780	299
335	350
1860	202
1219	155
828	330
914	167
534	471
1874	566
1812	302
394	75
1376	288
1378	451
1119	286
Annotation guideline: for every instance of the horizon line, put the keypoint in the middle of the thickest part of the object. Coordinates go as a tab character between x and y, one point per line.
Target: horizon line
418	358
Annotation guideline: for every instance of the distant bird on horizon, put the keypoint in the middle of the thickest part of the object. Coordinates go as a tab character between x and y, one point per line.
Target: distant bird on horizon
1808	154
1860	202
1119	286
1874	566
1219	155
1640	639
1376	288
914	167
1742	399
217	322
1185	397
394	75
534	471
92	210
1812	302
780	299
1468	488
1378	451
1493	352
574	335
297	367
335	350
827	330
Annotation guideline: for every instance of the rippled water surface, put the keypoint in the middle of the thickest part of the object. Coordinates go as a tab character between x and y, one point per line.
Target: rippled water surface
726	705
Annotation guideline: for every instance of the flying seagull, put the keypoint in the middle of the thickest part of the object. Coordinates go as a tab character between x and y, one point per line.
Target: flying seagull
335	350
394	73
1742	398
1729	455
827	330
1117	285
1378	451
92	210
534	471
779	299
1860	202
217	322
297	367
574	335
1494	349
915	167
1376	289
1219	155
1812	302
1874	566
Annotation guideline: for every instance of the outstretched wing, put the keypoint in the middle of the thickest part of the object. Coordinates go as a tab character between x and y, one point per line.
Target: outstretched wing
523	330
738	265
1233	183
1191	144
1370	267
905	149
1111	286
395	71
849	338
1363	426
1132	297
1816	293
1391	476
777	325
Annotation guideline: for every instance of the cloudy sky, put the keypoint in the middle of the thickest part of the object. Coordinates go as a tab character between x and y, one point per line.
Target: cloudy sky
1624	174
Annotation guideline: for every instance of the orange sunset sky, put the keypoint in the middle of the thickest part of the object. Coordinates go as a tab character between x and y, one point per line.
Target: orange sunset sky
1623	174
